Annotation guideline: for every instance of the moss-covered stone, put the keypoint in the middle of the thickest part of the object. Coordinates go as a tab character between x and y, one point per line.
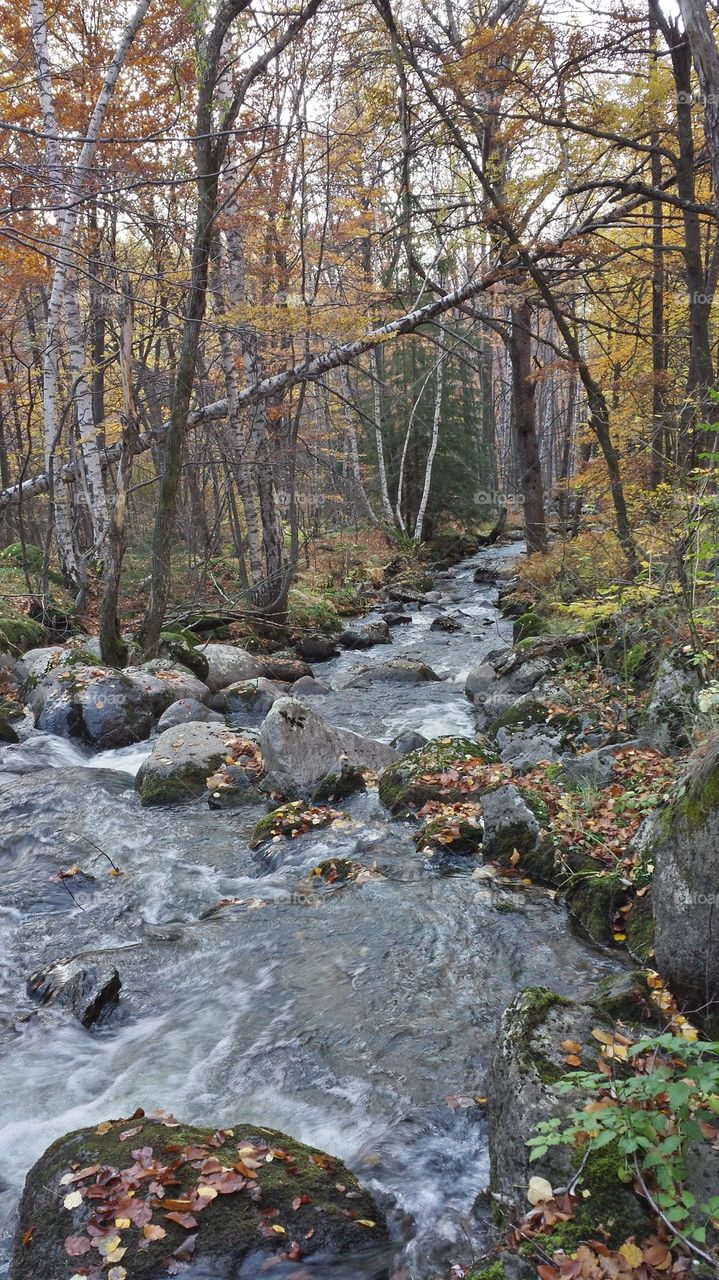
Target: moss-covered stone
182	783
181	646
592	896
609	1213
455	834
626	997
527	625
348	781
639	928
17	635
312	1197
428	774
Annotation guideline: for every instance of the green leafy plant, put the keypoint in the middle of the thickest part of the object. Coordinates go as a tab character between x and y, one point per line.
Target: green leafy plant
663	1099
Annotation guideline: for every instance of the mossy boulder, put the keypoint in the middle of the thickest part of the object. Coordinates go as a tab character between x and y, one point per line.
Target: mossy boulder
102	707
17	635
592	896
393	671
181	646
516	823
341	782
451	833
285	667
446	769
527	1066
527	626
288	1199
300	748
683	845
181	761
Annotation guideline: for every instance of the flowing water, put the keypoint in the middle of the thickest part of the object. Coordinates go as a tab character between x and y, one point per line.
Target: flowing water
358	1018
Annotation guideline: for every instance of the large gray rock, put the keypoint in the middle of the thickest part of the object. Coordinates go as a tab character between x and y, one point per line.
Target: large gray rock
186	710
308	687
669	715
241	1224
509	824
300	747
316	648
481	683
165	682
683	844
364	637
394	671
250	699
104	708
181	761
228	663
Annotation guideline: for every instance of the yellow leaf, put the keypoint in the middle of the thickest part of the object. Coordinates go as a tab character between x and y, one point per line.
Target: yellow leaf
73	1200
604	1037
632	1254
122	1223
280	1230
207	1193
366	1222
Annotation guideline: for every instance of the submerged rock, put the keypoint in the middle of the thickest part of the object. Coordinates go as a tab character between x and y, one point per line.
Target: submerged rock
393	671
86	985
300	748
223	1215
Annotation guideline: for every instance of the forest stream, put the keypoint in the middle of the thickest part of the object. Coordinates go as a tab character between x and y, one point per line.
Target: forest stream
357	1017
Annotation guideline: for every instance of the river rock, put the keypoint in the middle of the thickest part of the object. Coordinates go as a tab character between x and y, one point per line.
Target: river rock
522	1090
105	708
251	699
86	985
181	761
446	622
441	770
285	667
228	664
515	821
682	841
165	682
480	683
364	637
308	687
181	647
316	648
396	619
393	671
300	747
408	741
668	717
186	710
313	1197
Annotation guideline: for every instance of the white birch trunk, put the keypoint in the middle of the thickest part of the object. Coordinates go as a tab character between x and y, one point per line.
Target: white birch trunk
432	451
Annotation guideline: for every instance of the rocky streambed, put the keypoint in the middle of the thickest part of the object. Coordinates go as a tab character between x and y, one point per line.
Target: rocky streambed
174	967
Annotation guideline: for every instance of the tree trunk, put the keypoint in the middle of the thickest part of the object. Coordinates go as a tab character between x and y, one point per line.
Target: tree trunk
525	428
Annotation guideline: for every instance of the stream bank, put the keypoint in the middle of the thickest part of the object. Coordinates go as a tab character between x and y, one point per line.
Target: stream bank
358	1016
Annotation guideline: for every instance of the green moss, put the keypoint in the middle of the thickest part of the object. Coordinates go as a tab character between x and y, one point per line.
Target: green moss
495	1271
522	714
591	896
536	803
17	635
531	1011
263	829
610	1213
180	646
228	1228
337	786
182	783
312	611
639	928
527	625
626	998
